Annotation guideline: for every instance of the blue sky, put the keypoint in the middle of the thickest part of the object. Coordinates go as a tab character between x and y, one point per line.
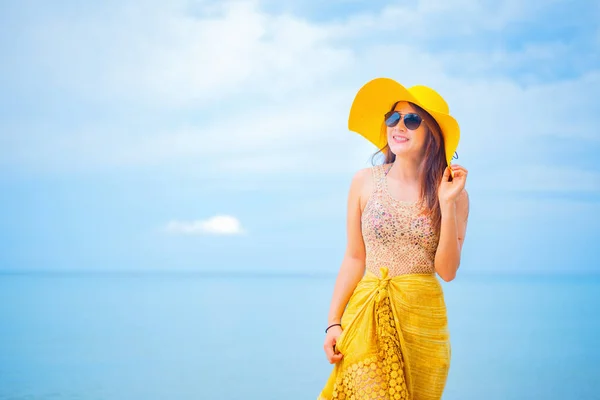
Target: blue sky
211	136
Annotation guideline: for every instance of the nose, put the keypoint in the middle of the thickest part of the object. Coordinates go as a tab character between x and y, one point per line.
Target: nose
400	126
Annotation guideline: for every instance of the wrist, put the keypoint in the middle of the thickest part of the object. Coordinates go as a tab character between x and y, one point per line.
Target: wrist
447	206
332	326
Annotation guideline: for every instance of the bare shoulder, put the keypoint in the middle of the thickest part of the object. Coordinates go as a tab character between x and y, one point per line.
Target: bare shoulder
362	184
363	175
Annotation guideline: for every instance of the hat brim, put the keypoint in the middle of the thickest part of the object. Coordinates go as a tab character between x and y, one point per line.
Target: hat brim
376	98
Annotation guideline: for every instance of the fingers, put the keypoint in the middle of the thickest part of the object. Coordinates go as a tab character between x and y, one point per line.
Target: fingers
456	168
336	358
332	356
459	172
446	176
329	351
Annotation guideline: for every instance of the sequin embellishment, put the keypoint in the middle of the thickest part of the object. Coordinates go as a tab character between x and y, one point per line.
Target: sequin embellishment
396	234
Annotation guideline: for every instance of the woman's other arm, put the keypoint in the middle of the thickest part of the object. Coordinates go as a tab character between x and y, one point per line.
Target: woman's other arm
353	264
452	236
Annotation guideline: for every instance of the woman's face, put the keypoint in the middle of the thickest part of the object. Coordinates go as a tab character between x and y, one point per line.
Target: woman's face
405	142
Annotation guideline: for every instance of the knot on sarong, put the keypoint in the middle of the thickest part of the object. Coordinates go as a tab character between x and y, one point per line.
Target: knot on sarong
382	285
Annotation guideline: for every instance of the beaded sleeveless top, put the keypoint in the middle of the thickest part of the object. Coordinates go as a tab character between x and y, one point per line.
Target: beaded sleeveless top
395	233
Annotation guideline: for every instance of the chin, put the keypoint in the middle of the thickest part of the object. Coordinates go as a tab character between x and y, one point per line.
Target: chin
399	151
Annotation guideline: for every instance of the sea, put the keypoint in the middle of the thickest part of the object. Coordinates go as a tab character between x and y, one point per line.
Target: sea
259	336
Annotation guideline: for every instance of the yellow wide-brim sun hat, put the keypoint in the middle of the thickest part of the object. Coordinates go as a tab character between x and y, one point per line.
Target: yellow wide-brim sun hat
378	96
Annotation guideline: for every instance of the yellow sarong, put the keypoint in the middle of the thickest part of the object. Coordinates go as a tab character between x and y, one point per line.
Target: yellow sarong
395	341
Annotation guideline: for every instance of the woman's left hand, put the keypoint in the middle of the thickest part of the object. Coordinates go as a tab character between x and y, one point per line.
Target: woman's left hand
448	191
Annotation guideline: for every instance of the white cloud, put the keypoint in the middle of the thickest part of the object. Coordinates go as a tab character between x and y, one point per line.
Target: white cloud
216	225
231	93
442	20
167	57
273	91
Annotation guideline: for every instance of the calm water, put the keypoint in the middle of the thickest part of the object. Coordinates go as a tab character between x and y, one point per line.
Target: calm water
185	336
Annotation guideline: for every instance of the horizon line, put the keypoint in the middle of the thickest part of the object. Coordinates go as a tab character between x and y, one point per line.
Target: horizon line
282	274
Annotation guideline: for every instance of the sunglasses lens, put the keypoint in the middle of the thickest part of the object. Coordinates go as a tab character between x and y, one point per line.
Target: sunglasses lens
392	119
412	121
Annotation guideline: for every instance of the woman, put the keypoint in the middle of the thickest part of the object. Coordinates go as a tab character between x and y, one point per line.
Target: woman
387	332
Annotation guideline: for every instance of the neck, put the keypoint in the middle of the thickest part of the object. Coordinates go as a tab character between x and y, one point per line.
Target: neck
406	170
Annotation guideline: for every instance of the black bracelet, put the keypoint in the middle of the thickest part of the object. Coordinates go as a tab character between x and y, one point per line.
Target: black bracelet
332	326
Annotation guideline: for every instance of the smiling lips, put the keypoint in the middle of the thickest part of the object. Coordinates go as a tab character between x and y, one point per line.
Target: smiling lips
400	138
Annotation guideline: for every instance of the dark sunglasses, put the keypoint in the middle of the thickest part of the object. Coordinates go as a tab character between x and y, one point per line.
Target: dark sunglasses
411	120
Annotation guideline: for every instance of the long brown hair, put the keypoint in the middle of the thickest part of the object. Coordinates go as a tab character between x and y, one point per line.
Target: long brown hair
434	164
